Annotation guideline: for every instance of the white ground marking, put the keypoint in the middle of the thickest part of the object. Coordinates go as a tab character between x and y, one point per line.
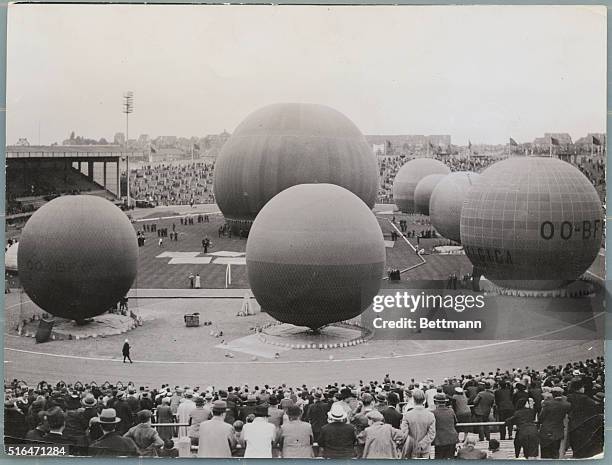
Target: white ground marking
364	359
190	261
230	261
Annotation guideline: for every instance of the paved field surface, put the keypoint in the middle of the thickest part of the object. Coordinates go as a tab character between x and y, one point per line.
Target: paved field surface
165	350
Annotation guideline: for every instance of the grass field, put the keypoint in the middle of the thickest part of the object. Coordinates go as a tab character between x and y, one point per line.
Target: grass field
157	273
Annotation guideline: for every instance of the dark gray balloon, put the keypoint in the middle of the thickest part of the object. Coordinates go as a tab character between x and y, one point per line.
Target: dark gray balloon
315	255
77	256
281	145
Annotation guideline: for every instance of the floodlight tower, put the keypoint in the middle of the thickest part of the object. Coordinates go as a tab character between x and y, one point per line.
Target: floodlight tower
128	107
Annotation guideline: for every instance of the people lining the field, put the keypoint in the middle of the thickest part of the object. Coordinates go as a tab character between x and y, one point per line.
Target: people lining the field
547	412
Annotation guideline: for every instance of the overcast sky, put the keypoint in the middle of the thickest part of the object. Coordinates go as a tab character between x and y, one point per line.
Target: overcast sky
479	73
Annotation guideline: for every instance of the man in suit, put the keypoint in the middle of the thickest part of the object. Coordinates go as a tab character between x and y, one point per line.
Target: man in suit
483	403
552	427
391	414
317	415
56	419
446	434
111	444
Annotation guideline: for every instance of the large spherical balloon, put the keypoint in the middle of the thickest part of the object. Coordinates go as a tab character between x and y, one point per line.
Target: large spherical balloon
409	176
77	256
315	255
532	223
423	190
281	145
447	201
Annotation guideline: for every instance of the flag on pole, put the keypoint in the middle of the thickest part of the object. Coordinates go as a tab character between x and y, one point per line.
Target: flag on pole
554	141
513	142
153	150
469	144
595	140
196	146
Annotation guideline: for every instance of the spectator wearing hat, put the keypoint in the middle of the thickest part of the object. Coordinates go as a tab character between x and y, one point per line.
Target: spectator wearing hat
296	437
391	414
184	410
275	415
145	437
133	401
337	438
470	452
585	422
15	426
200	414
175	399
380	439
520	392
217	438
483	403
462	410
360	420
124	412
89	409
248	408
419	424
381	401
429	396
505	407
286	401
527	437
259	435
111	444
146	403
164	415
552	424
446	434
75	427
317	414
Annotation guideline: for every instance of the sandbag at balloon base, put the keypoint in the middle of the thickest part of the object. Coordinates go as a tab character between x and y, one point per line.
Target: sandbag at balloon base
44	330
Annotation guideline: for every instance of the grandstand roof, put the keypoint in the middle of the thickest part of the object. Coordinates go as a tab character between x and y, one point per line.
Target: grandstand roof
58	151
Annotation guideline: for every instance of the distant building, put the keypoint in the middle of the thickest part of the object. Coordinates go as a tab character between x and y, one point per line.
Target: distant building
144	140
588	139
563	138
167	141
119	138
23	142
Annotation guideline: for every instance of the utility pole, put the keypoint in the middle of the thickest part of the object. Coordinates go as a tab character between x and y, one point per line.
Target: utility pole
128	107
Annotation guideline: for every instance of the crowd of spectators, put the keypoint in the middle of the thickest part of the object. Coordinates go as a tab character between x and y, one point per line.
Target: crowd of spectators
548	412
389	166
173	184
593	168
